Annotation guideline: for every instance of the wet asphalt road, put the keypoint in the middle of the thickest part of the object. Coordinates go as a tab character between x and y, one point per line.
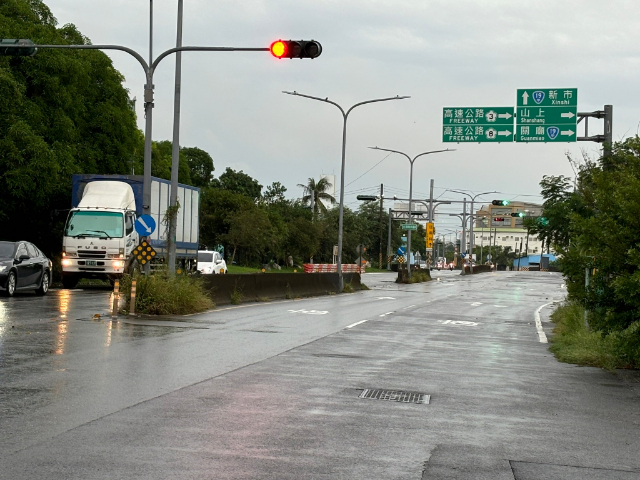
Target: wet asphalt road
271	390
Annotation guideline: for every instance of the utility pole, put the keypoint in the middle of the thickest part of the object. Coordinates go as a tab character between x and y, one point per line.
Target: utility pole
389	244
606	138
175	149
380	224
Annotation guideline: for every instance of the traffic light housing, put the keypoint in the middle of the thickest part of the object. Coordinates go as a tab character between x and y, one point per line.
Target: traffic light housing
295	49
367	198
499	219
517	214
503	203
25	47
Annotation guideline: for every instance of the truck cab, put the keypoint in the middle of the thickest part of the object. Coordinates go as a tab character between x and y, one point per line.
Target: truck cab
99	233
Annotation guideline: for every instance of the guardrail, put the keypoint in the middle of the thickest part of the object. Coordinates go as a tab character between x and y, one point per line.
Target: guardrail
332	268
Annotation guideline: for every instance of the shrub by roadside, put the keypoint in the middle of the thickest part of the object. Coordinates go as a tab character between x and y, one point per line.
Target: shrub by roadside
160	294
572	342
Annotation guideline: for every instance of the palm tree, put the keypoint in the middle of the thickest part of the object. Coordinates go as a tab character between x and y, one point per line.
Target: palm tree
316	191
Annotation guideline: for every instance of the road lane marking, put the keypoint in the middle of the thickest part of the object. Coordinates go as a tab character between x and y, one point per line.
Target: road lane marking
309	312
405	308
357	323
385	314
541	335
500	306
476	304
386	298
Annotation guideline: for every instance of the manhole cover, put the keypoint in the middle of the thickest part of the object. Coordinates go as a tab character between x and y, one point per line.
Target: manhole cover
396	396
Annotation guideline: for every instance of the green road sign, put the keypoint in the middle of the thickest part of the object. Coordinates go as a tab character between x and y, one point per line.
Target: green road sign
477	124
547	115
409	226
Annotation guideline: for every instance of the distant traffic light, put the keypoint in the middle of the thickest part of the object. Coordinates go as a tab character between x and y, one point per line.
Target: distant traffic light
503	203
25	48
499	219
296	49
518	214
367	198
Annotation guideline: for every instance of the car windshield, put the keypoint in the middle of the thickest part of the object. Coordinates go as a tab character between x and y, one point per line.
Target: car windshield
205	257
6	249
94	224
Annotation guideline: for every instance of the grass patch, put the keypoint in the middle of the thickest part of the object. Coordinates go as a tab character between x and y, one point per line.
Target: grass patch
364	287
419	277
348	288
239	269
264	299
236	296
160	294
573	342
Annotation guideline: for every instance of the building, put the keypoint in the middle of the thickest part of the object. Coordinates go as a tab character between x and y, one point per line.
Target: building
495	223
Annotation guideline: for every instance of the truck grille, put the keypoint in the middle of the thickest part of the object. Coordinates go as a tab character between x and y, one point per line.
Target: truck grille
91	254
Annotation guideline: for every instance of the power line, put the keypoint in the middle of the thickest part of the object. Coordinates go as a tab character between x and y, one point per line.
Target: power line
367	171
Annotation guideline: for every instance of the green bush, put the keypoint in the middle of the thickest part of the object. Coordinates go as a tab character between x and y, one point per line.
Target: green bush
573	342
160	294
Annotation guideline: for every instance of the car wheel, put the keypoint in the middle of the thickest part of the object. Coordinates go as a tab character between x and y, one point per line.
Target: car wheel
44	283
10	287
69	281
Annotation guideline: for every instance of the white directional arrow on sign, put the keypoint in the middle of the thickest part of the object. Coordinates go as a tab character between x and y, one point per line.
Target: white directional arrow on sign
147	228
505	115
567	132
504	132
525	97
567	115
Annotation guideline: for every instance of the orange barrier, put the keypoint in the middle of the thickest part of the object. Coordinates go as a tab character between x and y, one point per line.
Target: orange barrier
332	268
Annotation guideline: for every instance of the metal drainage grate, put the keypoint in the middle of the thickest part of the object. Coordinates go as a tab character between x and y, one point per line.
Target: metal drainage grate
396	396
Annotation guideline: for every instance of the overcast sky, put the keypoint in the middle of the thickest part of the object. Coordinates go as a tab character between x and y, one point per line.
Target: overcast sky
441	53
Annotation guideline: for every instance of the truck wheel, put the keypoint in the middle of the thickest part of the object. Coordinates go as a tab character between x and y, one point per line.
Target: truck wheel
44	283
69	281
10	287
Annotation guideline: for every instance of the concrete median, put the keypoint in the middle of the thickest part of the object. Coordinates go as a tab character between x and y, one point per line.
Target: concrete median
259	286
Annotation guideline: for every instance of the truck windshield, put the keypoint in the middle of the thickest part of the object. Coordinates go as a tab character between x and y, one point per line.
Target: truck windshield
94	224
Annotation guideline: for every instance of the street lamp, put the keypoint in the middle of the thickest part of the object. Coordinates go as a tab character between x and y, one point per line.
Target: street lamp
411	192
345	115
471	238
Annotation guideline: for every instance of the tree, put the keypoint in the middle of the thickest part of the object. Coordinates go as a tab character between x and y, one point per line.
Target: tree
251	230
200	166
317	191
275	193
238	182
63	112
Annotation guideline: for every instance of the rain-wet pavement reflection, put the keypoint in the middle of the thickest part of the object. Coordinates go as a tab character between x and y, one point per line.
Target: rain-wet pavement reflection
38	334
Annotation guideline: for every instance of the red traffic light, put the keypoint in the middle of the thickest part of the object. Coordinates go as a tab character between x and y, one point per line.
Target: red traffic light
499	219
295	49
278	49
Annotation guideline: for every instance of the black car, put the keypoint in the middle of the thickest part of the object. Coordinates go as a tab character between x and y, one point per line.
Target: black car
23	267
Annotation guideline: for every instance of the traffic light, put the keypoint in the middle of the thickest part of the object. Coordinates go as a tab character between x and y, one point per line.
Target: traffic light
517	214
503	203
367	198
26	48
498	219
296	49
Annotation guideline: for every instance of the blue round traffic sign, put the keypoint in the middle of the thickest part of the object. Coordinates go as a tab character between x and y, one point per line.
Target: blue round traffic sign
145	225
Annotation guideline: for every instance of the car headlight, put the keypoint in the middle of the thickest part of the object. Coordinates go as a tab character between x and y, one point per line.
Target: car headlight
2	268
66	262
118	264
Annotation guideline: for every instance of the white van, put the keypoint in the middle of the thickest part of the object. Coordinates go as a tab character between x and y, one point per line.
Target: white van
210	262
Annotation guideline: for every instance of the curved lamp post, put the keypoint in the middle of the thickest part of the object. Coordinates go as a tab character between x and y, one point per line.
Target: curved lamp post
345	115
472	215
411	192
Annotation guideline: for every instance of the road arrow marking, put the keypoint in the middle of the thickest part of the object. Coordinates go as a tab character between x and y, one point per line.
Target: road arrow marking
567	115
144	225
567	132
504	132
505	115
525	97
